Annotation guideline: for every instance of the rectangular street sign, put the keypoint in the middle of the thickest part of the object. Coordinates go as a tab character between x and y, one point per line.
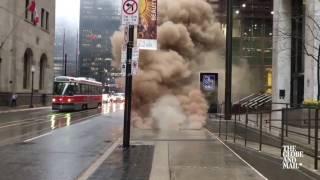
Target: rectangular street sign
147	28
134	60
130	12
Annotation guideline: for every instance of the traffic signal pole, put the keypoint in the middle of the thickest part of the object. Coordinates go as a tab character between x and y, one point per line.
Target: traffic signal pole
128	90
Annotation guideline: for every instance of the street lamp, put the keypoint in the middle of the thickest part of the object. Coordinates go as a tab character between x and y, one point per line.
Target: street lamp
32	76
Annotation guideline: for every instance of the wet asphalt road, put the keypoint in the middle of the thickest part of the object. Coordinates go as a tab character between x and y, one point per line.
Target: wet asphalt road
20	126
49	145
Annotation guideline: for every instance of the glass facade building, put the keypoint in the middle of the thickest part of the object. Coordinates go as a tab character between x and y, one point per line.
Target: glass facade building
252	37
99	19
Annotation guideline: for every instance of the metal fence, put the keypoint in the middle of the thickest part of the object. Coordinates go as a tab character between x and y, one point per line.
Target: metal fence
300	131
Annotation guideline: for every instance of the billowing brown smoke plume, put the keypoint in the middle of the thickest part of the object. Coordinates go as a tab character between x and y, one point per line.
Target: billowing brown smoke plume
166	90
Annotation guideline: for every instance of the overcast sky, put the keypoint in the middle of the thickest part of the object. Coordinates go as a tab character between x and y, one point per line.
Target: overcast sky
69	10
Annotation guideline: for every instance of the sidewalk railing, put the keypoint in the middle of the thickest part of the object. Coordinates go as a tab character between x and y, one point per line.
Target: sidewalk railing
263	123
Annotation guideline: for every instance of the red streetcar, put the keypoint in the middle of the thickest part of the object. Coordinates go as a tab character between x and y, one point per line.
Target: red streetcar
71	93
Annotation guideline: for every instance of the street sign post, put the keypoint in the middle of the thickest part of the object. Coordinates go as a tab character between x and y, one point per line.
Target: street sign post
128	90
134	59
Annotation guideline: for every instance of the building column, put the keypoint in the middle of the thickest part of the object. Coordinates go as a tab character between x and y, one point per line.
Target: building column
281	60
312	44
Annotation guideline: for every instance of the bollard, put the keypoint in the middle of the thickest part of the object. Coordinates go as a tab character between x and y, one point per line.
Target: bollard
316	126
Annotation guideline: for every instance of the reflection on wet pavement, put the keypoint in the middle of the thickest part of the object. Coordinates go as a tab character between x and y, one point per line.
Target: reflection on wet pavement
17	127
62	154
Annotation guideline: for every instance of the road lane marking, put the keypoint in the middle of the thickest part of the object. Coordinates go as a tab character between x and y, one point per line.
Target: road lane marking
37	137
46	134
30	122
93	167
254	169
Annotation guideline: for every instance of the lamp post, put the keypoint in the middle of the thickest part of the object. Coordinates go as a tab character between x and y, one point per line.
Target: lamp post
65	64
32	76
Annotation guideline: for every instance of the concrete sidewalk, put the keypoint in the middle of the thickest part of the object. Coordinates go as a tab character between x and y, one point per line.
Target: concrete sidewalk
8	109
189	155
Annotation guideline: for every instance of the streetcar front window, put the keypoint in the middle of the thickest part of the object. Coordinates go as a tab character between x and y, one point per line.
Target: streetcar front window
58	88
65	89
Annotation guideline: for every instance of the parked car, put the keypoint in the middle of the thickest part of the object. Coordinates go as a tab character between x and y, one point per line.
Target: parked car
117	97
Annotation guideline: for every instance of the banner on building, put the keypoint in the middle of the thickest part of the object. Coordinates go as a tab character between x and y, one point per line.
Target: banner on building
147	28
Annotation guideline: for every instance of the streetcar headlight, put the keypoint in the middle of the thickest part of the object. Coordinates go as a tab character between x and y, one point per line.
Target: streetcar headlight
53	100
69	100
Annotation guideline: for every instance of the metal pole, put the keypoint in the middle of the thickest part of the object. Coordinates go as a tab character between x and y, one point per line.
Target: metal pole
245	136
282	132
316	126
228	73
65	64
235	128
239	111
270	117
128	90
220	127
260	138
63	46
286	118
226	130
318	74
31	97
309	126
77	53
257	120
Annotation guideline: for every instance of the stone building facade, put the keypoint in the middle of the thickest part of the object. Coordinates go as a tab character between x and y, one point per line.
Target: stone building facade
26	49
296	29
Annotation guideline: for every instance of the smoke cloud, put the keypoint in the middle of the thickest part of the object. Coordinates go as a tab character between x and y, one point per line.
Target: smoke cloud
166	91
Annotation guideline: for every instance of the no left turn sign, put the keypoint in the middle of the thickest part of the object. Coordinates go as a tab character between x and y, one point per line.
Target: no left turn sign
130	7
130	12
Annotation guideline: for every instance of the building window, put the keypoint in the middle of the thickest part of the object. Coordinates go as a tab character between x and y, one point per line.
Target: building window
47	20
42	17
42	75
28	55
26	10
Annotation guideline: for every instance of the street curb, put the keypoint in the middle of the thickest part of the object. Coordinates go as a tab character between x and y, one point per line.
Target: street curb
26	109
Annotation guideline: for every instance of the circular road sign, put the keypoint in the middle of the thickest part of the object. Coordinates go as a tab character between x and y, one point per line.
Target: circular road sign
130	7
